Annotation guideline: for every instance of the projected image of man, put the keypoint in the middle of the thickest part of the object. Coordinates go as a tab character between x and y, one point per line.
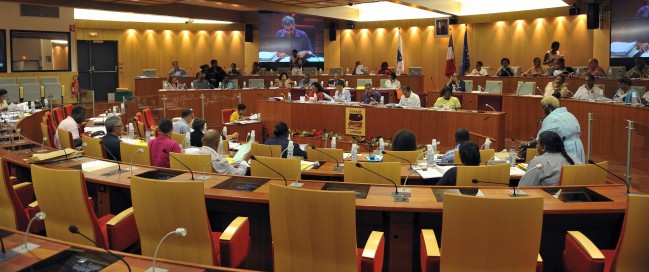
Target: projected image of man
289	37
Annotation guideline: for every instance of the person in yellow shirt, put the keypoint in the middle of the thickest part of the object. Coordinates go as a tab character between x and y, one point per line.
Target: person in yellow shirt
238	114
448	101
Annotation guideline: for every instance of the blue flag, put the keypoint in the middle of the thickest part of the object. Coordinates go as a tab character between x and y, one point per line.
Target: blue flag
466	63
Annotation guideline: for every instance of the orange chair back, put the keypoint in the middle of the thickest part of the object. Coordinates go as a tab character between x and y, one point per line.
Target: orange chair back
12	215
225	115
50	122
631	253
148	118
57	113
68	109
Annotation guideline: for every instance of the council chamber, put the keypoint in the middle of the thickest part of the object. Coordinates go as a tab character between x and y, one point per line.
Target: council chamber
177	135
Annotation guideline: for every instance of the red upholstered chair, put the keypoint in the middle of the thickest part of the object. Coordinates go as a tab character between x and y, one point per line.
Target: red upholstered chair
464	246
315	230
57	114
162	206
63	197
16	203
225	115
630	254
148	119
68	109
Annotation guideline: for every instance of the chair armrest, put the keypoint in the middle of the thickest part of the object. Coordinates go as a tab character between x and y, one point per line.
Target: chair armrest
25	192
21	185
588	246
430	243
13	179
33	204
372	245
120	217
233	228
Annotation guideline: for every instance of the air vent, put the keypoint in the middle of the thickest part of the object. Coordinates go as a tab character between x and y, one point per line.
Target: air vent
39	11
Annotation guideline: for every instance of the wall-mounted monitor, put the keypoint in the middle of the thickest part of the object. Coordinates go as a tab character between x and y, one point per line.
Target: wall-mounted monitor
629	32
3	51
280	33
37	51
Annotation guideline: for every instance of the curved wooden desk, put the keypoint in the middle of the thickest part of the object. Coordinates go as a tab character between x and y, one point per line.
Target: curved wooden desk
400	221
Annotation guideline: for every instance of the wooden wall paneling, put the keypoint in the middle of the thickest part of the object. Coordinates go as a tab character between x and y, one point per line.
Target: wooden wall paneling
186	47
333	50
151	52
169	47
131	52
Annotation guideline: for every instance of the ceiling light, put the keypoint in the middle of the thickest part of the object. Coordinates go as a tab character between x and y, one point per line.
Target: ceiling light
377	11
102	15
472	7
60	41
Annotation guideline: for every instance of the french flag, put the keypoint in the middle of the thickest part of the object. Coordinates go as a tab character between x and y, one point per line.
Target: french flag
450	58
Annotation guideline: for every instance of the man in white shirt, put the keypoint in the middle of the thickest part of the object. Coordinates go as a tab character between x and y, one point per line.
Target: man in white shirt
342	95
478	71
182	126
589	90
393	83
409	99
176	70
71	124
219	162
557	87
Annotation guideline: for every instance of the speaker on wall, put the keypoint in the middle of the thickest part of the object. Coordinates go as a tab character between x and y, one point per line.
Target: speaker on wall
248	33
593	16
333	26
453	20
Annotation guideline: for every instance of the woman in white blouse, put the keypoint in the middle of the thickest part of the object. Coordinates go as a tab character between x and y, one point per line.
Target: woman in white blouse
393	83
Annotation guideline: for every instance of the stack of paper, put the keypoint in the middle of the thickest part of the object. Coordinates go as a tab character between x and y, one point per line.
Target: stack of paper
58	155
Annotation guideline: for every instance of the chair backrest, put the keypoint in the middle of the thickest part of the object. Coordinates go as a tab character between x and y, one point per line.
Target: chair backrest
290	168
360	83
530	153
49	120
162	206
225	115
49	79
93	147
390	170
140	129
12	213
508	236
301	218
148	118
311	71
617	71
45	132
274	151
494	86
488	69
517	70
485	156
336	70
631	253
583	174
128	151
580	69
7	80
256	83
526	88
382	84
195	162
65	139
63	197
314	155
57	116
491	173
410	156
27	80
468	85
31	92
179	138
68	109
13	91
601	86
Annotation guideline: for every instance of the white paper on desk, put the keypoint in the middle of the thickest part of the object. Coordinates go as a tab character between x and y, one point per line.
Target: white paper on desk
515	171
97	119
247	121
435	172
254	117
95	129
234	146
96	165
243	150
349	155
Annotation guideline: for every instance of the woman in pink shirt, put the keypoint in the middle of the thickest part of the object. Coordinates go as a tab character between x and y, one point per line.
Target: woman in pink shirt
163	142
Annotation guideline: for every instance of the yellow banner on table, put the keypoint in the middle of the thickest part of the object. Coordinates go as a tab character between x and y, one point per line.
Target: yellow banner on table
355	121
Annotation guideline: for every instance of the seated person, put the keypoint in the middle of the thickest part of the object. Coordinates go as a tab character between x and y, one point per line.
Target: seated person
589	90
209	145
284	81
404	140
255	71
558	88
3	100
280	132
71	124
359	69
176	70
478	71
625	92
341	94
504	70
201	82
182	126
562	69
228	83
455	83
461	136
640	70
305	82
552	156
163	142
370	96
594	69
238	114
332	82
385	70
172	83
199	125
447	100
645	98
393	83
110	141
233	71
536	70
318	92
470	156
409	99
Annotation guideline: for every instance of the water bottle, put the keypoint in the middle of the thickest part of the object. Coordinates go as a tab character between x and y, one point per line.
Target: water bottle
21	111
289	150
347	70
259	116
346	84
487	143
333	142
434	145
123	108
512	156
147	135
225	131
320	71
33	105
430	157
219	149
610	72
188	142
220	84
244	84
354	153
322	83
47	103
381	145
289	97
634	100
271	83
382	101
131	131
252	136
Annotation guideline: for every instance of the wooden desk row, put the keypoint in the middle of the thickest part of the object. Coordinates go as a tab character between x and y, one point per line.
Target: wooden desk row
150	86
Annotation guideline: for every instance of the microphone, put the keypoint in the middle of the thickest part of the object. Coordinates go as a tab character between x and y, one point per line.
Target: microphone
119	166
79	148
395	156
297	179
27	246
247	135
539	89
573	94
42	150
164	150
75	230
404	190
432	81
494	86
492	108
205	176
252	157
626	183
480	89
139	150
519	87
338	167
66	154
398	197
182	232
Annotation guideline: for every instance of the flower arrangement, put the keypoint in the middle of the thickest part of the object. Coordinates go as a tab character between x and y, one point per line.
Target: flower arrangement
319	134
